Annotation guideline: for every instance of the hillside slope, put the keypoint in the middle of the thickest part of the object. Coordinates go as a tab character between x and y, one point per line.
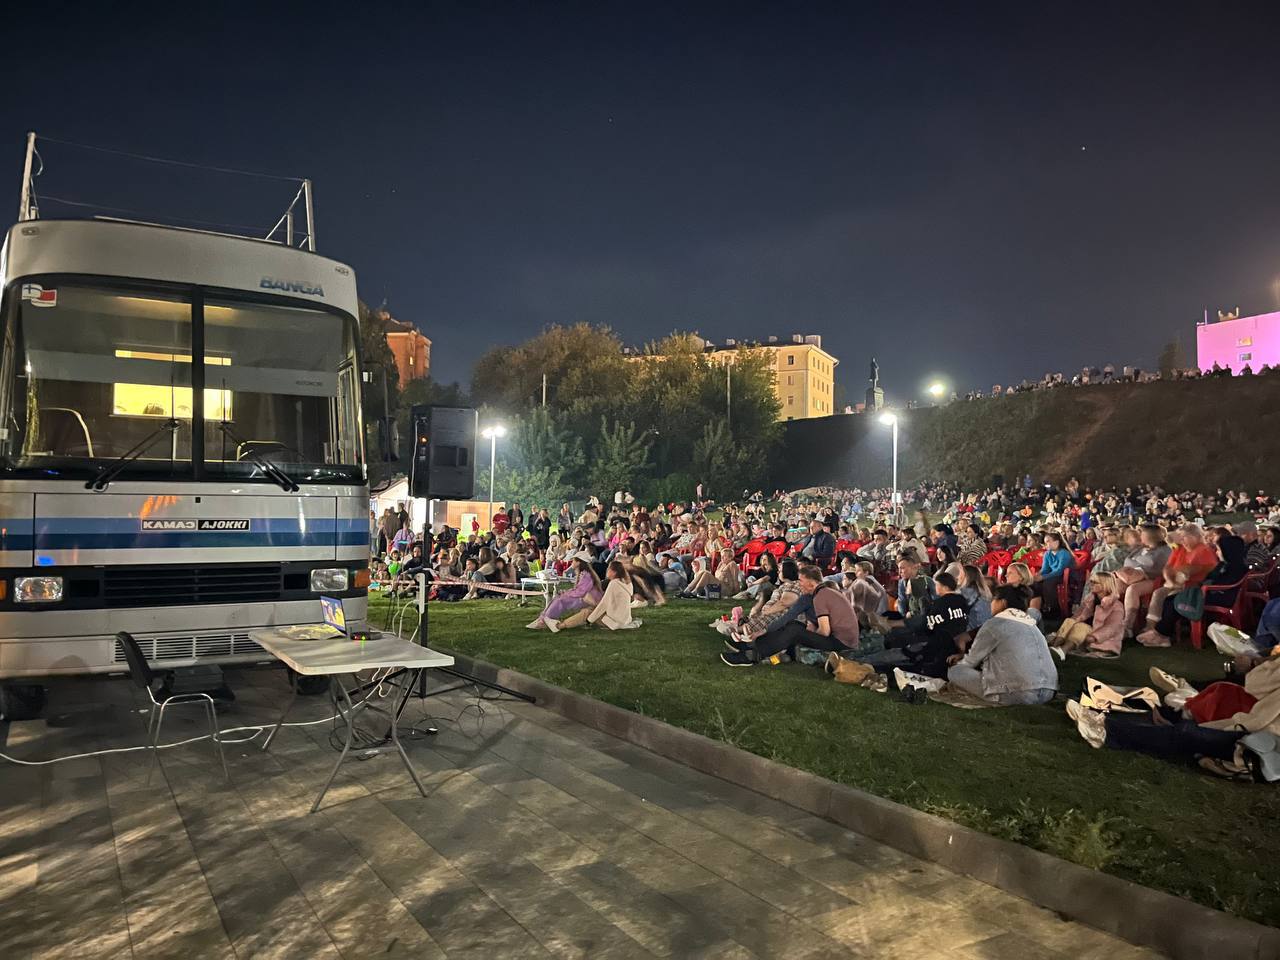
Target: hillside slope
1195	434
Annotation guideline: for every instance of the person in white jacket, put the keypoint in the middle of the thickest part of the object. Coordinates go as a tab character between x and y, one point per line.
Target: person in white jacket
613	610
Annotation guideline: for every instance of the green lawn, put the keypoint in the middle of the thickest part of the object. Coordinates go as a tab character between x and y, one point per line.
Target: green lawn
1021	773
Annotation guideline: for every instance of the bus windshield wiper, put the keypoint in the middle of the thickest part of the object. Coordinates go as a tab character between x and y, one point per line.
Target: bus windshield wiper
112	469
285	481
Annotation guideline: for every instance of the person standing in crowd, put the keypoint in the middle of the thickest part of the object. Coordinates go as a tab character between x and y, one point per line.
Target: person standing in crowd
540	528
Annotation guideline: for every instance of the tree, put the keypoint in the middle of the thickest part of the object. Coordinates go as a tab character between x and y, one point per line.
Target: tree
540	443
619	457
380	394
587	374
1171	358
721	464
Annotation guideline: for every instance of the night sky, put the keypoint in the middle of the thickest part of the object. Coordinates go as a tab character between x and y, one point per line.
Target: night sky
982	195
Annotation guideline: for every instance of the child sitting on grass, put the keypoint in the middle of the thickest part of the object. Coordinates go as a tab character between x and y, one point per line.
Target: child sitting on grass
1097	629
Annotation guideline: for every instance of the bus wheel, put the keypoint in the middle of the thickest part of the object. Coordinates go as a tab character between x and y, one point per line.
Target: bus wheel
308	686
21	701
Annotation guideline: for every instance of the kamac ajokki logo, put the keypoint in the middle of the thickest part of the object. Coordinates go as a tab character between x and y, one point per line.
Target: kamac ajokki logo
204	525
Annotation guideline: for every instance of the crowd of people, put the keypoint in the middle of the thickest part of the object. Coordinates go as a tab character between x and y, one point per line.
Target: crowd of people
978	592
1109	374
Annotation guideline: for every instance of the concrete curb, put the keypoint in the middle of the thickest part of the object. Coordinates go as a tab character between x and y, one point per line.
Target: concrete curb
1178	927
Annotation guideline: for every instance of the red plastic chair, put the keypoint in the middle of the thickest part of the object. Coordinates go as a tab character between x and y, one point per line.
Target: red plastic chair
1034	560
749	555
777	548
1233	615
1261	585
997	561
847	546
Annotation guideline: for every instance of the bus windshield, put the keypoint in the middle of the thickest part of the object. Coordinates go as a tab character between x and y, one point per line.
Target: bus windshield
92	373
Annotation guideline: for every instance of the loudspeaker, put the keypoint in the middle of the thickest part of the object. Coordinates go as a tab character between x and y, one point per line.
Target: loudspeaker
444	446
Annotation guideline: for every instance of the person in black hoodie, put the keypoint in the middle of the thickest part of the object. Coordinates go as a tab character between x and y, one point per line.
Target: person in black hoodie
924	648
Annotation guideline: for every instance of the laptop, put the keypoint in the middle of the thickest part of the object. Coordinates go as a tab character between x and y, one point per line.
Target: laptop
334	612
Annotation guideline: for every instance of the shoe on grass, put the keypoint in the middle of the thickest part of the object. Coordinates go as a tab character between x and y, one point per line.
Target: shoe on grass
636	604
536	625
731	643
738	659
1058	652
1091	724
1165	682
552	625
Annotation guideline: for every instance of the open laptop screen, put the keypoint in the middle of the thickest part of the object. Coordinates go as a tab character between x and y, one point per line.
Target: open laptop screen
333	613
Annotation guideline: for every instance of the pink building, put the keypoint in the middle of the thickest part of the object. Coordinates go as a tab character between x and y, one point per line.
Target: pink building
1233	343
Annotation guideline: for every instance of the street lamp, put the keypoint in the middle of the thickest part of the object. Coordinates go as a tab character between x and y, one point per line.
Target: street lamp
891	420
493	432
937	389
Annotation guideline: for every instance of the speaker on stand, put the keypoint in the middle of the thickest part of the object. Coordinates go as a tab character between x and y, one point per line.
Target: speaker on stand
444	468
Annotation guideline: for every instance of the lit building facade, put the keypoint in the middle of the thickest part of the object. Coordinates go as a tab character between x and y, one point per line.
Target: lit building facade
411	349
804	378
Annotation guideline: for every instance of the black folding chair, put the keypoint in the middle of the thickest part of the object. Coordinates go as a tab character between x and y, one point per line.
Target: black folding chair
161	700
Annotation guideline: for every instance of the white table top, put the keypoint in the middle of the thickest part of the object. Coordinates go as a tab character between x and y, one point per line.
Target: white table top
334	653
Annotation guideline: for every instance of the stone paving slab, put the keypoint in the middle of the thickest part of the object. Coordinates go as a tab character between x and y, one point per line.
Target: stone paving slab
539	837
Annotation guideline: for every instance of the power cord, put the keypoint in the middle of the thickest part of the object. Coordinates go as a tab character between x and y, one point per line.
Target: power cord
166	746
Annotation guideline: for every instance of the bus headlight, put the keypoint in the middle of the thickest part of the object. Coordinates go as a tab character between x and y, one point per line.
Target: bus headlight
37	589
329	580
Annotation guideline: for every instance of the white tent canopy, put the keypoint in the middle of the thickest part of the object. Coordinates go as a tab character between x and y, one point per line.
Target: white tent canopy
396	496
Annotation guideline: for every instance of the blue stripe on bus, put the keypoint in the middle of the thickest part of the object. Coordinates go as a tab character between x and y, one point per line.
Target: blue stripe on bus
194	538
125	533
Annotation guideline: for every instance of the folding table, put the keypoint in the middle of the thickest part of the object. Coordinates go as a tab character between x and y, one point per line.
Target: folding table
336	655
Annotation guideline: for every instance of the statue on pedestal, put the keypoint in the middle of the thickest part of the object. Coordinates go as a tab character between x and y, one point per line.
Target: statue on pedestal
875	395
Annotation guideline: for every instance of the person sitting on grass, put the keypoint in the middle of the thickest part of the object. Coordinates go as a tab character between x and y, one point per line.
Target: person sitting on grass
923	645
586	592
1019	575
475	580
976	592
915	590
720	572
613	609
1008	663
761	579
869	599
646	578
770	608
830	625
1096	627
1172	733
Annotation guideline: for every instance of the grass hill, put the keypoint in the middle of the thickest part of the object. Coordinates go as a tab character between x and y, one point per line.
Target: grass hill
1195	434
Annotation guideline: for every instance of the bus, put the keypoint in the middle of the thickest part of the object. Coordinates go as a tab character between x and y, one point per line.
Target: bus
181	444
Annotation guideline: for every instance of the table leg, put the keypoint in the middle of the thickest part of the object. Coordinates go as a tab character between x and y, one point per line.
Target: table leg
338	687
284	713
395	734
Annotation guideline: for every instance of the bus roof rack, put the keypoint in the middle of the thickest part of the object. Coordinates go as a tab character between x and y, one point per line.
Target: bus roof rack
289	230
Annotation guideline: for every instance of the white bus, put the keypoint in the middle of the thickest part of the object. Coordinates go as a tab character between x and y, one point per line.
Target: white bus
181	445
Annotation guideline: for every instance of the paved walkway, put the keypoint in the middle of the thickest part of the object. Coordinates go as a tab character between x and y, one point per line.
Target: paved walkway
539	838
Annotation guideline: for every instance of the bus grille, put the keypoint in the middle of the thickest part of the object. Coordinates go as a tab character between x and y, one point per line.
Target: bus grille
201	646
170	585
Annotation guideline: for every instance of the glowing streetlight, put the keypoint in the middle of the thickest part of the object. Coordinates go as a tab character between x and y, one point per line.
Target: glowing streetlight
891	420
937	388
493	432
